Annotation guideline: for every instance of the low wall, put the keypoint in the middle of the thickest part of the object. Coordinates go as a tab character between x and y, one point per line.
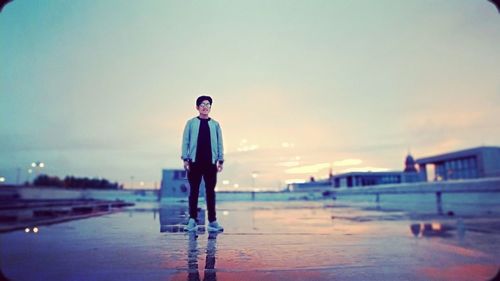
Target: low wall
54	193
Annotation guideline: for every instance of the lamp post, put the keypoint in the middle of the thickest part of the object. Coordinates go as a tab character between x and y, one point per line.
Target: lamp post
28	178
254	176
18	175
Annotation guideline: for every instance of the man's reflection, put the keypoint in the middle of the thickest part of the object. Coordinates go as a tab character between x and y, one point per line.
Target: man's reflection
193	253
193	273
210	274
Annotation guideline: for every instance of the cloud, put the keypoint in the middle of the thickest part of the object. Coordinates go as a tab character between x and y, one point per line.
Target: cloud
308	169
288	164
347	162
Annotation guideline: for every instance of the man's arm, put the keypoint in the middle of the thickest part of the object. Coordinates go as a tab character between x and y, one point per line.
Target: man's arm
220	149
186	137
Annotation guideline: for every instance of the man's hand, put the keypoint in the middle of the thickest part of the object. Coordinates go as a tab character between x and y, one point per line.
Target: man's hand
186	166
219	167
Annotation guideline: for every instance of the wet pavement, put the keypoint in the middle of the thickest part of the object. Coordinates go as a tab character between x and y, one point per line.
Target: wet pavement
30	214
299	240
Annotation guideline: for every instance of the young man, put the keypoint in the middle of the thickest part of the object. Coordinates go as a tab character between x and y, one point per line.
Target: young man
203	156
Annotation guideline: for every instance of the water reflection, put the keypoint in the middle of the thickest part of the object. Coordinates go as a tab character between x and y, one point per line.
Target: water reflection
193	254
193	273
28	230
173	218
436	229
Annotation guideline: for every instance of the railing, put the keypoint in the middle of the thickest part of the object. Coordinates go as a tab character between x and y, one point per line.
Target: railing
438	188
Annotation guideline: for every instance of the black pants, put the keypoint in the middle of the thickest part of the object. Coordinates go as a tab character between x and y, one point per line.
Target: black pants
209	174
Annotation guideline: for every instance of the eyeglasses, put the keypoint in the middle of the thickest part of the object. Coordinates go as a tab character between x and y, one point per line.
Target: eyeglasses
205	104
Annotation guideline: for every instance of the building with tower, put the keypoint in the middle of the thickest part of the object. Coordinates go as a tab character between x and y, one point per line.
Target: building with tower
354	179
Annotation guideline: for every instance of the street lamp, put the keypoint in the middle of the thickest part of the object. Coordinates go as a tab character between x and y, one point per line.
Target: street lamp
37	166
2	180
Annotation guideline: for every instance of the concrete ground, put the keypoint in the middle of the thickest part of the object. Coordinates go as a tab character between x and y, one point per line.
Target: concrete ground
299	240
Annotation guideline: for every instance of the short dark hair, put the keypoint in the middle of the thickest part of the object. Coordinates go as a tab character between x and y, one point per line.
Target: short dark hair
200	99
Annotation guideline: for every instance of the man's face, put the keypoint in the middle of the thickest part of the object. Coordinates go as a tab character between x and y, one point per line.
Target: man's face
204	107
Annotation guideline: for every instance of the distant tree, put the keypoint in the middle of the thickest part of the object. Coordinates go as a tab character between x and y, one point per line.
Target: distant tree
74	182
45	180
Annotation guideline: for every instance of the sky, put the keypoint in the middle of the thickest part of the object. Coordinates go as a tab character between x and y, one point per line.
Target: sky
104	88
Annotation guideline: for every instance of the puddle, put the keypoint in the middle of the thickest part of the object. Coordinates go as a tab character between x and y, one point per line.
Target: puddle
265	240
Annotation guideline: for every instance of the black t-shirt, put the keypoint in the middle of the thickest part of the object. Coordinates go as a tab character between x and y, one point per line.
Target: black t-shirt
204	147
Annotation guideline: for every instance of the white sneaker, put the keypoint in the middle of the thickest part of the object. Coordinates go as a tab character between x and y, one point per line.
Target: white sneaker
215	227
191	226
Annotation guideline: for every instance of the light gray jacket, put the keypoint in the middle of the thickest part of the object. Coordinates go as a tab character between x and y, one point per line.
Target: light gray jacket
190	140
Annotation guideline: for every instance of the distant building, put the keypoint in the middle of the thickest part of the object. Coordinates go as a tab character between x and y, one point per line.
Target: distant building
353	179
479	162
317	185
174	184
367	178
